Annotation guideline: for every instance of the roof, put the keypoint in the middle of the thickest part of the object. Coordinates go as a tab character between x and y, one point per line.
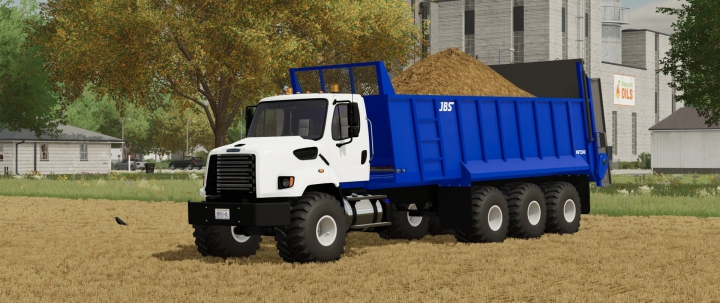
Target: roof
683	118
645	30
67	133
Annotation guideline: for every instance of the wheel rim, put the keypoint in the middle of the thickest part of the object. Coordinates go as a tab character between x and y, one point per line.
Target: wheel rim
172	166
533	212
495	218
413	220
569	210
326	230
238	238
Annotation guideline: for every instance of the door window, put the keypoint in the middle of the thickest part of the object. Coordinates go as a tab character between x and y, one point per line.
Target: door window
340	122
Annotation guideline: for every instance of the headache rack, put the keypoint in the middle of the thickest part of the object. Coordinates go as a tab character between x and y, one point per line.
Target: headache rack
231	175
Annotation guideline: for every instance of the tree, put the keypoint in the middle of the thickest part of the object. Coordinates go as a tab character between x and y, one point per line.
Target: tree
161	131
169	128
694	58
26	96
218	55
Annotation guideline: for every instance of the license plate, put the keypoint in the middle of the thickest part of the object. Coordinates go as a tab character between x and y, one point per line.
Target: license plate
222	214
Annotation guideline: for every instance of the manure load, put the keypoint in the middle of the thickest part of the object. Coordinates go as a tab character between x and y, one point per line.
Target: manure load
453	72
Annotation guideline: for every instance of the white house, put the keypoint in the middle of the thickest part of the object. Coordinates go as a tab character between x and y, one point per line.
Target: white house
682	143
74	151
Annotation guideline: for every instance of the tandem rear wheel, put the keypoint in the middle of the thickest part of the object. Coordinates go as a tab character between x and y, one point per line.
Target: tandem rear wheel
405	226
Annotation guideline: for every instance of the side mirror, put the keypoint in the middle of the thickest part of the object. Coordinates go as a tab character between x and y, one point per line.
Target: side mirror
353	115
249	114
353	131
353	120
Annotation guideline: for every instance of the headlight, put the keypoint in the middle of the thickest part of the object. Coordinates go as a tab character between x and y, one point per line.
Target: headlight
285	182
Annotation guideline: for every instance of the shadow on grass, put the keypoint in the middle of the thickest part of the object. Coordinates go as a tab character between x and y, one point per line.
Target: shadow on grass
267	253
189	252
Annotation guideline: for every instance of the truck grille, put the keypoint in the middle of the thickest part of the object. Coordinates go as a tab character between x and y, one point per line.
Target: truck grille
231	175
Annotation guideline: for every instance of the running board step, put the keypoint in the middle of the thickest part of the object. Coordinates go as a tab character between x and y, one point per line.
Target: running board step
371	225
360	198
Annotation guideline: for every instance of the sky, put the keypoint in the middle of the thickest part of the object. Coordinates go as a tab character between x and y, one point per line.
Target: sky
642	14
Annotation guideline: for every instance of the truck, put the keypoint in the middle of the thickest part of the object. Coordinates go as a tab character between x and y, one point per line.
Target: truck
345	153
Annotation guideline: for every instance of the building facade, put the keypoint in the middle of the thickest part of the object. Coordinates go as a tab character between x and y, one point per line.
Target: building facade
73	151
635	96
683	144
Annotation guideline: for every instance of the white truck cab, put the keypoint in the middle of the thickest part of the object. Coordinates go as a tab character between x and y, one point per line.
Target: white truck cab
296	141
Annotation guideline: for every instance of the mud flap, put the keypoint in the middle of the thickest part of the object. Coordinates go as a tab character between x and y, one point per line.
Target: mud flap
454	207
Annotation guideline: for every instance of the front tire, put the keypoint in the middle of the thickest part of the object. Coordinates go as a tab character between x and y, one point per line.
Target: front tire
222	241
172	167
526	203
490	217
317	230
405	226
563	208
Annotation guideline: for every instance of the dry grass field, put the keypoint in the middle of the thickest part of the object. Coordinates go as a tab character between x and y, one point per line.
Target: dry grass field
60	250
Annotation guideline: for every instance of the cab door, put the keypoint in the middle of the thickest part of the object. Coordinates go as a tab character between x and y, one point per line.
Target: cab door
349	154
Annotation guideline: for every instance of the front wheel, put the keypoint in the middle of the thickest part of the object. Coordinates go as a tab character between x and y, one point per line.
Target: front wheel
172	166
317	230
222	241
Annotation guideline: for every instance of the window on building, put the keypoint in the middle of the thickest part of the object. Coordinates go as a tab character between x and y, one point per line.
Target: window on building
83	152
519	31
564	29
425	26
44	153
614	133
657	107
1	152
673	100
634	133
470	27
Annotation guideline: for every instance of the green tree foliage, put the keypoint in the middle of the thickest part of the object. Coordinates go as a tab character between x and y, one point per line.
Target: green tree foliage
161	131
694	59
217	55
26	97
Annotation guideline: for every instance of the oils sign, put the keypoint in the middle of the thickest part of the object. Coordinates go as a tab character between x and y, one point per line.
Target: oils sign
624	90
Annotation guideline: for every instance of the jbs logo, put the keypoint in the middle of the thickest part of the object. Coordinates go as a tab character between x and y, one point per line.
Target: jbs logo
446	106
580	152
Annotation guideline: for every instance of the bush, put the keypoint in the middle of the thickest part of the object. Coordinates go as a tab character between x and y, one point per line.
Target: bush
643	161
201	154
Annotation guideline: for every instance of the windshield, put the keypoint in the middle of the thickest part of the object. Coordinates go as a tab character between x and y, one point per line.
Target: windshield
304	118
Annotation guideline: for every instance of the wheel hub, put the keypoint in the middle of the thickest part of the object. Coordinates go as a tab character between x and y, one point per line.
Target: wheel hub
569	210
495	218
238	237
326	230
533	212
414	220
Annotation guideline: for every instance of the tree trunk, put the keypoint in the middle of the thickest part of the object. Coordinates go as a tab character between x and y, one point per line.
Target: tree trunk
220	132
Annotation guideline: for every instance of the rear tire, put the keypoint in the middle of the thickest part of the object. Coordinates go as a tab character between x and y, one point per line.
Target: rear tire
526	203
489	217
563	208
405	226
435	229
221	241
317	230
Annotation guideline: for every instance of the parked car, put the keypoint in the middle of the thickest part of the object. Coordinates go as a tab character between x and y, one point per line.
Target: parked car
134	166
187	162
